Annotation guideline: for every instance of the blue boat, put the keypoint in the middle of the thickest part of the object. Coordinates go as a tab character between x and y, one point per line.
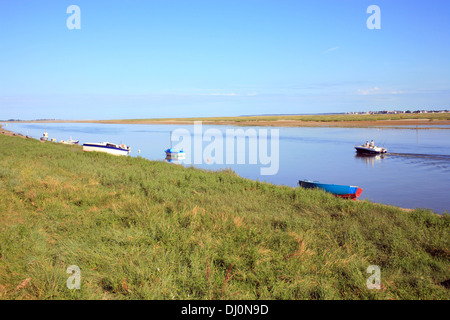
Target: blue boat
343	191
174	153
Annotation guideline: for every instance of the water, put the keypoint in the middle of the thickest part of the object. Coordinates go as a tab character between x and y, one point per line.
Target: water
414	174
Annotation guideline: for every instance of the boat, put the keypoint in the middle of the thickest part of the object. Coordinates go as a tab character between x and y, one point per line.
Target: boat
343	191
172	153
70	141
173	160
44	136
370	148
175	154
108	147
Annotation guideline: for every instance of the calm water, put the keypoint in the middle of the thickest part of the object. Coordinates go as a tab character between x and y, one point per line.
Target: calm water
415	173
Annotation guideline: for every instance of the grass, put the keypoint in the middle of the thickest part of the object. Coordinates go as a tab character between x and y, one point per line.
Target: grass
318	118
142	229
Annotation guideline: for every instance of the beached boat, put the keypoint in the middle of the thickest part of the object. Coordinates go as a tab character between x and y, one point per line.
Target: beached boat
343	191
44	136
370	148
108	147
70	141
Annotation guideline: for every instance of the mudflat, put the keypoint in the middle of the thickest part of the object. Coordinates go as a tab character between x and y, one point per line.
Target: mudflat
272	121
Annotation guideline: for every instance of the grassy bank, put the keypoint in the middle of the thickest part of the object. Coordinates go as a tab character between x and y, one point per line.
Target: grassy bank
152	230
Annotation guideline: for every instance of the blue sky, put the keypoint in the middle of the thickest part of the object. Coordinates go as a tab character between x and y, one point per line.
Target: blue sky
168	58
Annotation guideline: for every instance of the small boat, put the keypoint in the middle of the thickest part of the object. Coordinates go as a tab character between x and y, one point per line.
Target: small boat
173	160
343	191
369	148
174	153
70	141
44	136
108	147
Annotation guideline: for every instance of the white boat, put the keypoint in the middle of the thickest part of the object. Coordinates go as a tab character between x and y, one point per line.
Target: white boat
70	141
108	147
44	136
369	148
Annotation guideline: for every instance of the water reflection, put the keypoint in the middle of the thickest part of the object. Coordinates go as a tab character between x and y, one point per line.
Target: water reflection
370	159
173	160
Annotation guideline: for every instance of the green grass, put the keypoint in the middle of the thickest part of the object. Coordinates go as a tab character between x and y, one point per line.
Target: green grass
141	229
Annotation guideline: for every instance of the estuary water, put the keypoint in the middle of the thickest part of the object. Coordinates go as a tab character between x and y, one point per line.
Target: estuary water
414	174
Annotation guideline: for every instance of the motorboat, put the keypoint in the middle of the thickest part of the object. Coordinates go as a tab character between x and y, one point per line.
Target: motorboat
108	147
370	148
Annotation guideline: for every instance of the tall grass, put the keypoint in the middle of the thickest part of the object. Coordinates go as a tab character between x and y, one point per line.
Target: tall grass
142	229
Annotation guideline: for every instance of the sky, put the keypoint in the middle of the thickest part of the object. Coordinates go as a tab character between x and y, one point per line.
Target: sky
192	58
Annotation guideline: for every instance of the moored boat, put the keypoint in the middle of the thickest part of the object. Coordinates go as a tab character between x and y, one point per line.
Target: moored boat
173	160
44	136
343	191
174	154
108	147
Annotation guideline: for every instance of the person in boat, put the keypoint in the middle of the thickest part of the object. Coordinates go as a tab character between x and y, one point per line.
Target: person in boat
366	144
372	144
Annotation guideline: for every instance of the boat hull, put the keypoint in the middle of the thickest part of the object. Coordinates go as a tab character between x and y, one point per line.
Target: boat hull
366	150
117	151
342	191
173	154
70	142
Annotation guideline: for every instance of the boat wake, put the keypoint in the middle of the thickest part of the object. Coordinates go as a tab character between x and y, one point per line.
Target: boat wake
439	162
443	157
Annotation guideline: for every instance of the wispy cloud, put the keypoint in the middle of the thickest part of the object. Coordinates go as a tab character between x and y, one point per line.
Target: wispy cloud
365	92
222	94
378	91
332	49
232	94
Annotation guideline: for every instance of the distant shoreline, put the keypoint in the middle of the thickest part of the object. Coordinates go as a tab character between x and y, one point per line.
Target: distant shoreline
349	121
